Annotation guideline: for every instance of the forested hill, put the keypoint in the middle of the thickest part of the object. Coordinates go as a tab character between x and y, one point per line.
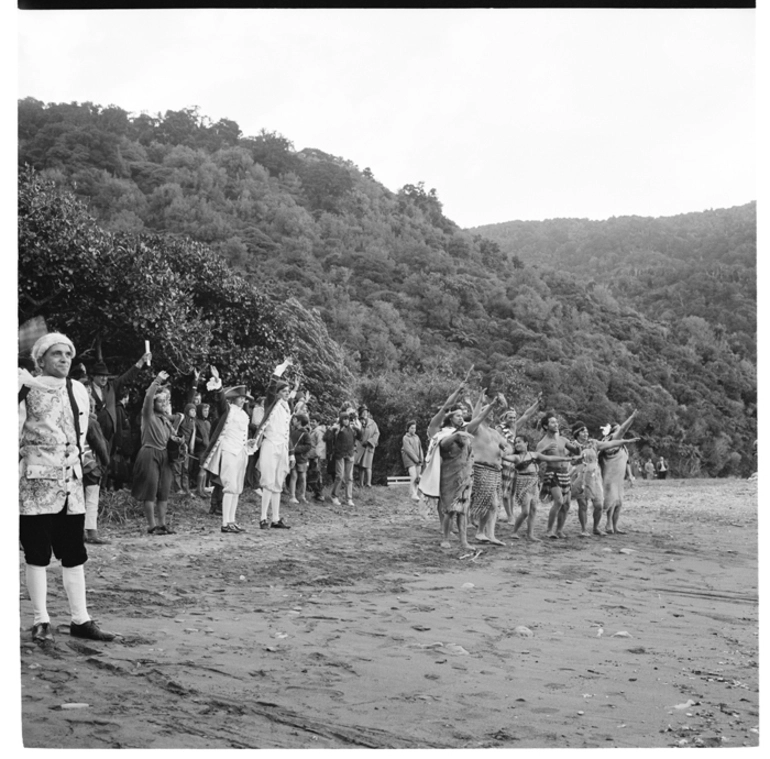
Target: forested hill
695	264
377	293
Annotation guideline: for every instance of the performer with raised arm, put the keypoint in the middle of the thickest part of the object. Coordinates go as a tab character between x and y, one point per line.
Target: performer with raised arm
274	457
587	483
508	428
613	465
488	448
229	448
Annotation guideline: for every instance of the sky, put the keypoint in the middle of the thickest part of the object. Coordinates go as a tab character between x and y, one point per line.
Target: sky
508	113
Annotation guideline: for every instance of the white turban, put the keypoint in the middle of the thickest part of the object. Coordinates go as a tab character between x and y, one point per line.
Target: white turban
46	341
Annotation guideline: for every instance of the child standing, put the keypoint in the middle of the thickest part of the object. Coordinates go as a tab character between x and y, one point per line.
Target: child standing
341	440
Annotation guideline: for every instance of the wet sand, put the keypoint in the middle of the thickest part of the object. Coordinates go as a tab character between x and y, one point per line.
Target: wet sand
354	629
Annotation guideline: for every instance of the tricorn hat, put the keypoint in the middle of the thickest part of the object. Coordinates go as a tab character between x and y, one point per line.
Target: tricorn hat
236	391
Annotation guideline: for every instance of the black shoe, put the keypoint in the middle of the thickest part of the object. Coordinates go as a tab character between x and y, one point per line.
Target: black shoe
280	524
42	633
263	524
237	527
164	529
228	528
97	541
89	630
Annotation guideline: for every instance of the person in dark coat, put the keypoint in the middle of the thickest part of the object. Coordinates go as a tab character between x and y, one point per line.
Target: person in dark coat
107	389
123	446
202	439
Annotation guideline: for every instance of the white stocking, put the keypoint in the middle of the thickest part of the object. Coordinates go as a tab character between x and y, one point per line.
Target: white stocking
267	499
229	504
226	509
74	579
37	587
276	503
92	506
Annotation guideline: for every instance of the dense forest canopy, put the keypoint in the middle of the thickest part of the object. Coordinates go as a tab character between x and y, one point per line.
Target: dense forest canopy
380	297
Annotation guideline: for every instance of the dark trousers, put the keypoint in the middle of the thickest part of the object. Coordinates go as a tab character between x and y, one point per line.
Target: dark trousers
315	480
216	498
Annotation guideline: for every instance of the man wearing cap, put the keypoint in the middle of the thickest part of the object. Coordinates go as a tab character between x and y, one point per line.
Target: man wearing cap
365	445
229	449
107	388
53	420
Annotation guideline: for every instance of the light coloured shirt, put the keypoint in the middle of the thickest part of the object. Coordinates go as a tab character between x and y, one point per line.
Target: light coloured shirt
236	430
277	428
50	470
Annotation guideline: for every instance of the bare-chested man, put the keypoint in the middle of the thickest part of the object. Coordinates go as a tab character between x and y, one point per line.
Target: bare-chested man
557	474
488	448
587	484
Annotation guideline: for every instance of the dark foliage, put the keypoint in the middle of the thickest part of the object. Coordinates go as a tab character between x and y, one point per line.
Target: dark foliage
603	317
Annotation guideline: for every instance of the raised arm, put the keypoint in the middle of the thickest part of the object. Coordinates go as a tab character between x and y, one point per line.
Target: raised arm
474	423
149	395
270	393
193	386
476	408
544	457
130	374
621	431
435	423
603	445
529	412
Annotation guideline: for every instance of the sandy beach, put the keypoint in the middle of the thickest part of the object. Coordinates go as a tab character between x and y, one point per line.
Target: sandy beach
354	629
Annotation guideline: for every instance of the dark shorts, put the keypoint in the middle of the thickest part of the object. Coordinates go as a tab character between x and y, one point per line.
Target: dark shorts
152	475
60	533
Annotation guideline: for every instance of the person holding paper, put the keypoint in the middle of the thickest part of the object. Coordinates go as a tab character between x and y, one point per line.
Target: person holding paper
274	457
106	389
229	449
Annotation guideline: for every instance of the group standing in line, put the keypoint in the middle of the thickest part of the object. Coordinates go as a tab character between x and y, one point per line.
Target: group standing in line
75	437
475	472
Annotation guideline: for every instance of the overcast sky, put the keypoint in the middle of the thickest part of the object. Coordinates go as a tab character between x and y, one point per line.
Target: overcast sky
508	114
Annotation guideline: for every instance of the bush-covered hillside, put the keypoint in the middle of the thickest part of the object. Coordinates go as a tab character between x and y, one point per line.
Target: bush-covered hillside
691	265
404	300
